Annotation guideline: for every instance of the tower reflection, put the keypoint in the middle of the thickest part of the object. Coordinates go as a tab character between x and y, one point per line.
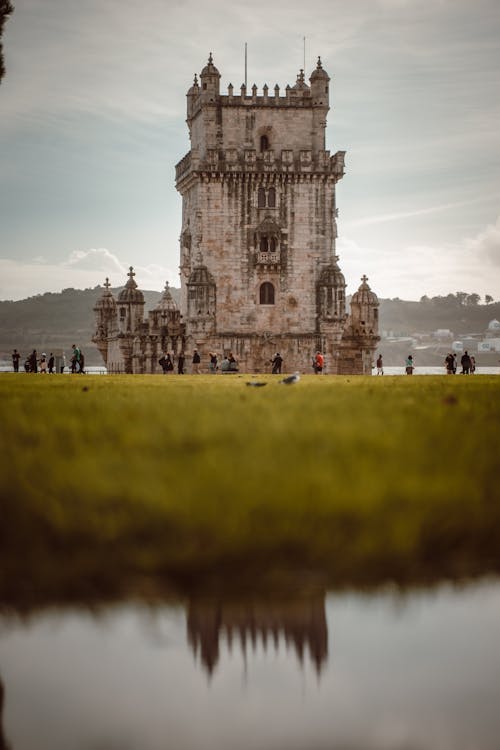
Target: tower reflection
300	623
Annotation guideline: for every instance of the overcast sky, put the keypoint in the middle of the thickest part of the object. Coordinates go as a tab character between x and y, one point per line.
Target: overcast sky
92	123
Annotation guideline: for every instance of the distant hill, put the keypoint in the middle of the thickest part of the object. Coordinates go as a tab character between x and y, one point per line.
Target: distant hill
58	320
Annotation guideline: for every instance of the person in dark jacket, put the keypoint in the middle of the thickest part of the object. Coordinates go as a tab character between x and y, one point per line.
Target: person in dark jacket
15	360
196	362
277	362
450	364
465	362
180	364
33	360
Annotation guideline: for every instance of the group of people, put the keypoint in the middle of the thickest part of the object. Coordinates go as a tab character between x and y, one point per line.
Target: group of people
167	360
228	364
47	364
468	362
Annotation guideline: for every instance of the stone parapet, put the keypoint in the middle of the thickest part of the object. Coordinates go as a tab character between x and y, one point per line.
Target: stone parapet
286	161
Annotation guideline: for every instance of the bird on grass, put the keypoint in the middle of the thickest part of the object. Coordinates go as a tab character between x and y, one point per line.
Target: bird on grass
256	383
291	379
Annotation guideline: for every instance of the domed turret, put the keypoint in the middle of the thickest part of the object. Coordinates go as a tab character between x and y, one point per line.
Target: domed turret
105	312
300	84
130	305
320	86
201	291
364	309
209	79
192	95
331	292
167	302
130	292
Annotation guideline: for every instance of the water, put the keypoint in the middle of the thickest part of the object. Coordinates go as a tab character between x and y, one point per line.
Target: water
378	672
387	370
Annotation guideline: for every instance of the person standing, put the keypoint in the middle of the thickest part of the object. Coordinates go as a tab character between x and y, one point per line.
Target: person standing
318	364
196	362
380	365
277	362
51	364
15	360
213	364
472	364
43	363
75	359
409	365
180	364
33	360
450	364
163	363
465	362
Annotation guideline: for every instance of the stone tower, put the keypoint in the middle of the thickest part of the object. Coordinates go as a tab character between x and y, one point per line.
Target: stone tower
258	267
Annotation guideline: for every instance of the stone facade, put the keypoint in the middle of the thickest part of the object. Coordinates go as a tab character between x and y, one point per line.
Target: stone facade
259	222
259	273
127	342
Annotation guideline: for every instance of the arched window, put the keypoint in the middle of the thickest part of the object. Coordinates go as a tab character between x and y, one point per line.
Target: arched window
271	198
261	198
266	293
264	143
264	244
272	245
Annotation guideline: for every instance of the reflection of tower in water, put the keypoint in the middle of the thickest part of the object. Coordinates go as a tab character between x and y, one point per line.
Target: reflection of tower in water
301	623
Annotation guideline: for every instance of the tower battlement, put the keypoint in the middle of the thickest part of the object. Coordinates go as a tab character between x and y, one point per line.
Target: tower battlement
247	160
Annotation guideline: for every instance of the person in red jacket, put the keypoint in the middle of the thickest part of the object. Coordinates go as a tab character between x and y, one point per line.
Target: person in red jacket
319	362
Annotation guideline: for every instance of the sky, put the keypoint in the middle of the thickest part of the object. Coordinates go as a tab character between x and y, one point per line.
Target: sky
92	123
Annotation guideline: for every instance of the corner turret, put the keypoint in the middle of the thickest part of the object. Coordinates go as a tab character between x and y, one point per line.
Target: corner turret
209	79
320	89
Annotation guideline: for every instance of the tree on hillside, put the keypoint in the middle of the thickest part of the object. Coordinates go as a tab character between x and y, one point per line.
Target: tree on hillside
488	299
473	299
461	297
6	8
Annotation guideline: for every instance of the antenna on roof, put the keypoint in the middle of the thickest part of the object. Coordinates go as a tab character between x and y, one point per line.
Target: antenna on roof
245	66
304	68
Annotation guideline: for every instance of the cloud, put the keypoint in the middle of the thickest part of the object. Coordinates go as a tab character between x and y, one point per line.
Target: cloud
95	259
486	245
380	219
83	269
412	270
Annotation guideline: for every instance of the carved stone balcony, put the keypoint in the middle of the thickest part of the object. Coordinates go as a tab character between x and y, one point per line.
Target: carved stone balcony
267	258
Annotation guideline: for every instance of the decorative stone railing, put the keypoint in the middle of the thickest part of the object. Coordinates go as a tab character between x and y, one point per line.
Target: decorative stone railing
250	160
267	258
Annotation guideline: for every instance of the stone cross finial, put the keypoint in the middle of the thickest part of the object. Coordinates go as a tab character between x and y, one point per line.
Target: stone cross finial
107	284
210	59
195	82
319	65
364	278
131	273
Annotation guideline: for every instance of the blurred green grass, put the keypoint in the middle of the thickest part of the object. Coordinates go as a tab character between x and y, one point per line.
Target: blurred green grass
364	479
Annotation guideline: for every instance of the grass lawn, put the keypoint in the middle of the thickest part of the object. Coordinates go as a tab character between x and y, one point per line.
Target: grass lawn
107	479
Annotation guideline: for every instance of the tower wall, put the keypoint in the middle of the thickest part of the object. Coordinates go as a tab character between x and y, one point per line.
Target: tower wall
259	211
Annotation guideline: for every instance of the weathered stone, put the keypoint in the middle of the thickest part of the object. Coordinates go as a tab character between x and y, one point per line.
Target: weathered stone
258	267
